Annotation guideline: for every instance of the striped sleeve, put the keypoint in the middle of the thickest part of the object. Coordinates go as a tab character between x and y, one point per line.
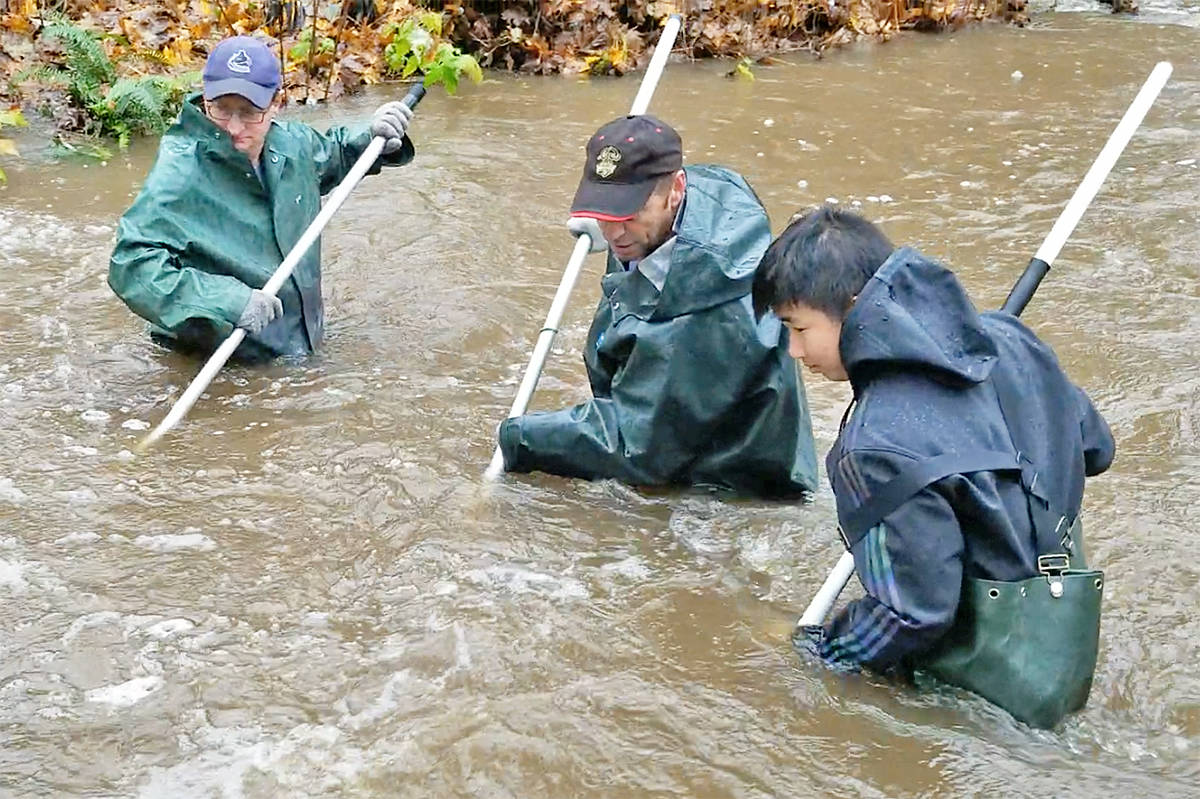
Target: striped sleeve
910	567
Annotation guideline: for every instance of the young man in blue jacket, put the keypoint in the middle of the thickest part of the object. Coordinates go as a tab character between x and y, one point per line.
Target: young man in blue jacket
688	387
923	366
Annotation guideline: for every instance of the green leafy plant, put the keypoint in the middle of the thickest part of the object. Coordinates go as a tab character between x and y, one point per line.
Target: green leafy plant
744	69
66	145
115	106
415	47
9	118
300	50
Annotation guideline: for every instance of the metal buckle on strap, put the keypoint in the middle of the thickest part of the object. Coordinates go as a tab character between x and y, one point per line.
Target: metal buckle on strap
1054	567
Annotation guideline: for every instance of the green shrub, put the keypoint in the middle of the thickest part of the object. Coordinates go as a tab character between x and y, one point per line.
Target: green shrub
415	47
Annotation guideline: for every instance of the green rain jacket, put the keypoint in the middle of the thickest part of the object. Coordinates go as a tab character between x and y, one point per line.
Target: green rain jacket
204	231
688	388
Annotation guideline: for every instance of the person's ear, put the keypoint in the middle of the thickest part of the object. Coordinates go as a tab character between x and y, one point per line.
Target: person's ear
678	188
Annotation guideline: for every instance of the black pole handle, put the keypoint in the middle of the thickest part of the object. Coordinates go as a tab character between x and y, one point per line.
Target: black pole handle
1027	283
414	95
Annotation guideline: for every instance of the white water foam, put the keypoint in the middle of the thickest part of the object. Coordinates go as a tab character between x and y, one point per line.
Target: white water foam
311	760
175	543
167	628
526	581
87	621
127	693
78	496
632	568
77	538
10	493
11	576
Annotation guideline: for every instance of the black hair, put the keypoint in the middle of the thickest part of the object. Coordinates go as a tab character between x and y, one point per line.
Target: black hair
822	260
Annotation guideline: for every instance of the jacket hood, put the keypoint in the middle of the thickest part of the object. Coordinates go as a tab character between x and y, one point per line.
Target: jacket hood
719	240
194	125
913	313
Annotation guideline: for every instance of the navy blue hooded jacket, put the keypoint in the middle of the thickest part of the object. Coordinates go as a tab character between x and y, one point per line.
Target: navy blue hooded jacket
919	358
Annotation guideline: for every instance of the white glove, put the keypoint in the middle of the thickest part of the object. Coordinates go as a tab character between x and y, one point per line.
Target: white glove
391	122
578	225
259	312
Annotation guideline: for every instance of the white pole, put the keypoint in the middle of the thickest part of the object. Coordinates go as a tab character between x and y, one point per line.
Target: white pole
582	245
658	62
818	609
280	276
821	604
1104	163
545	338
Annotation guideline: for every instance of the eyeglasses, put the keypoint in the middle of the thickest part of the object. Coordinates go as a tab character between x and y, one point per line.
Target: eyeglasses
220	114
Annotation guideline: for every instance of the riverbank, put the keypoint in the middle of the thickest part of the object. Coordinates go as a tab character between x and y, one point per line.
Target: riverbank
329	50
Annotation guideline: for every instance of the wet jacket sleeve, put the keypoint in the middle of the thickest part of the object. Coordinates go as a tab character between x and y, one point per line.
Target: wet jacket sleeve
335	151
148	269
666	403
910	566
1099	448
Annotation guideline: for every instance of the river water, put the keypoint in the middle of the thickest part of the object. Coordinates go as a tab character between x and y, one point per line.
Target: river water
306	591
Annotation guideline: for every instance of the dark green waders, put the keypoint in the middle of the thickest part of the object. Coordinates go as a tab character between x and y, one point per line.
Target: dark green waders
1029	646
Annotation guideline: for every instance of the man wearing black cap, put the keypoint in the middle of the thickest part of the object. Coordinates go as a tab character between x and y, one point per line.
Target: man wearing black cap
688	388
231	192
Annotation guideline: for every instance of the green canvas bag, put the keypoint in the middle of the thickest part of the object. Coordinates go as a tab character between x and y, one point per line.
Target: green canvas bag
1029	646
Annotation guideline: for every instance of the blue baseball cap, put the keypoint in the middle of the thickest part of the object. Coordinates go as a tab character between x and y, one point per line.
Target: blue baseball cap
245	66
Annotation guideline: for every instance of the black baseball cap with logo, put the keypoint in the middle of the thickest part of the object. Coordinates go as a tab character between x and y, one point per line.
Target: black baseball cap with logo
625	159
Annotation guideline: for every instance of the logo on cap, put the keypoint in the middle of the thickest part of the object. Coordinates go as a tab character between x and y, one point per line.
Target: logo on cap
240	62
606	161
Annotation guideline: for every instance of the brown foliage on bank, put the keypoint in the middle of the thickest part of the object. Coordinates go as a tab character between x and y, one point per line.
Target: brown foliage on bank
330	47
606	37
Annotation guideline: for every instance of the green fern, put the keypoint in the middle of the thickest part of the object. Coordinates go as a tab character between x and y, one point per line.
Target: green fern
88	66
137	101
175	87
43	74
120	107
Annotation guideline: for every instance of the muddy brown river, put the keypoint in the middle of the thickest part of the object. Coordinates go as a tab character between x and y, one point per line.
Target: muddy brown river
306	590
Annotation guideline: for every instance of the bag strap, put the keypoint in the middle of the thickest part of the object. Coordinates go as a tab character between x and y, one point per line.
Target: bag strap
1051	527
911	480
1047	524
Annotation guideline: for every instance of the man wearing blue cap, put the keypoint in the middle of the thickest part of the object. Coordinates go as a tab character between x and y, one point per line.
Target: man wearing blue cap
231	192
